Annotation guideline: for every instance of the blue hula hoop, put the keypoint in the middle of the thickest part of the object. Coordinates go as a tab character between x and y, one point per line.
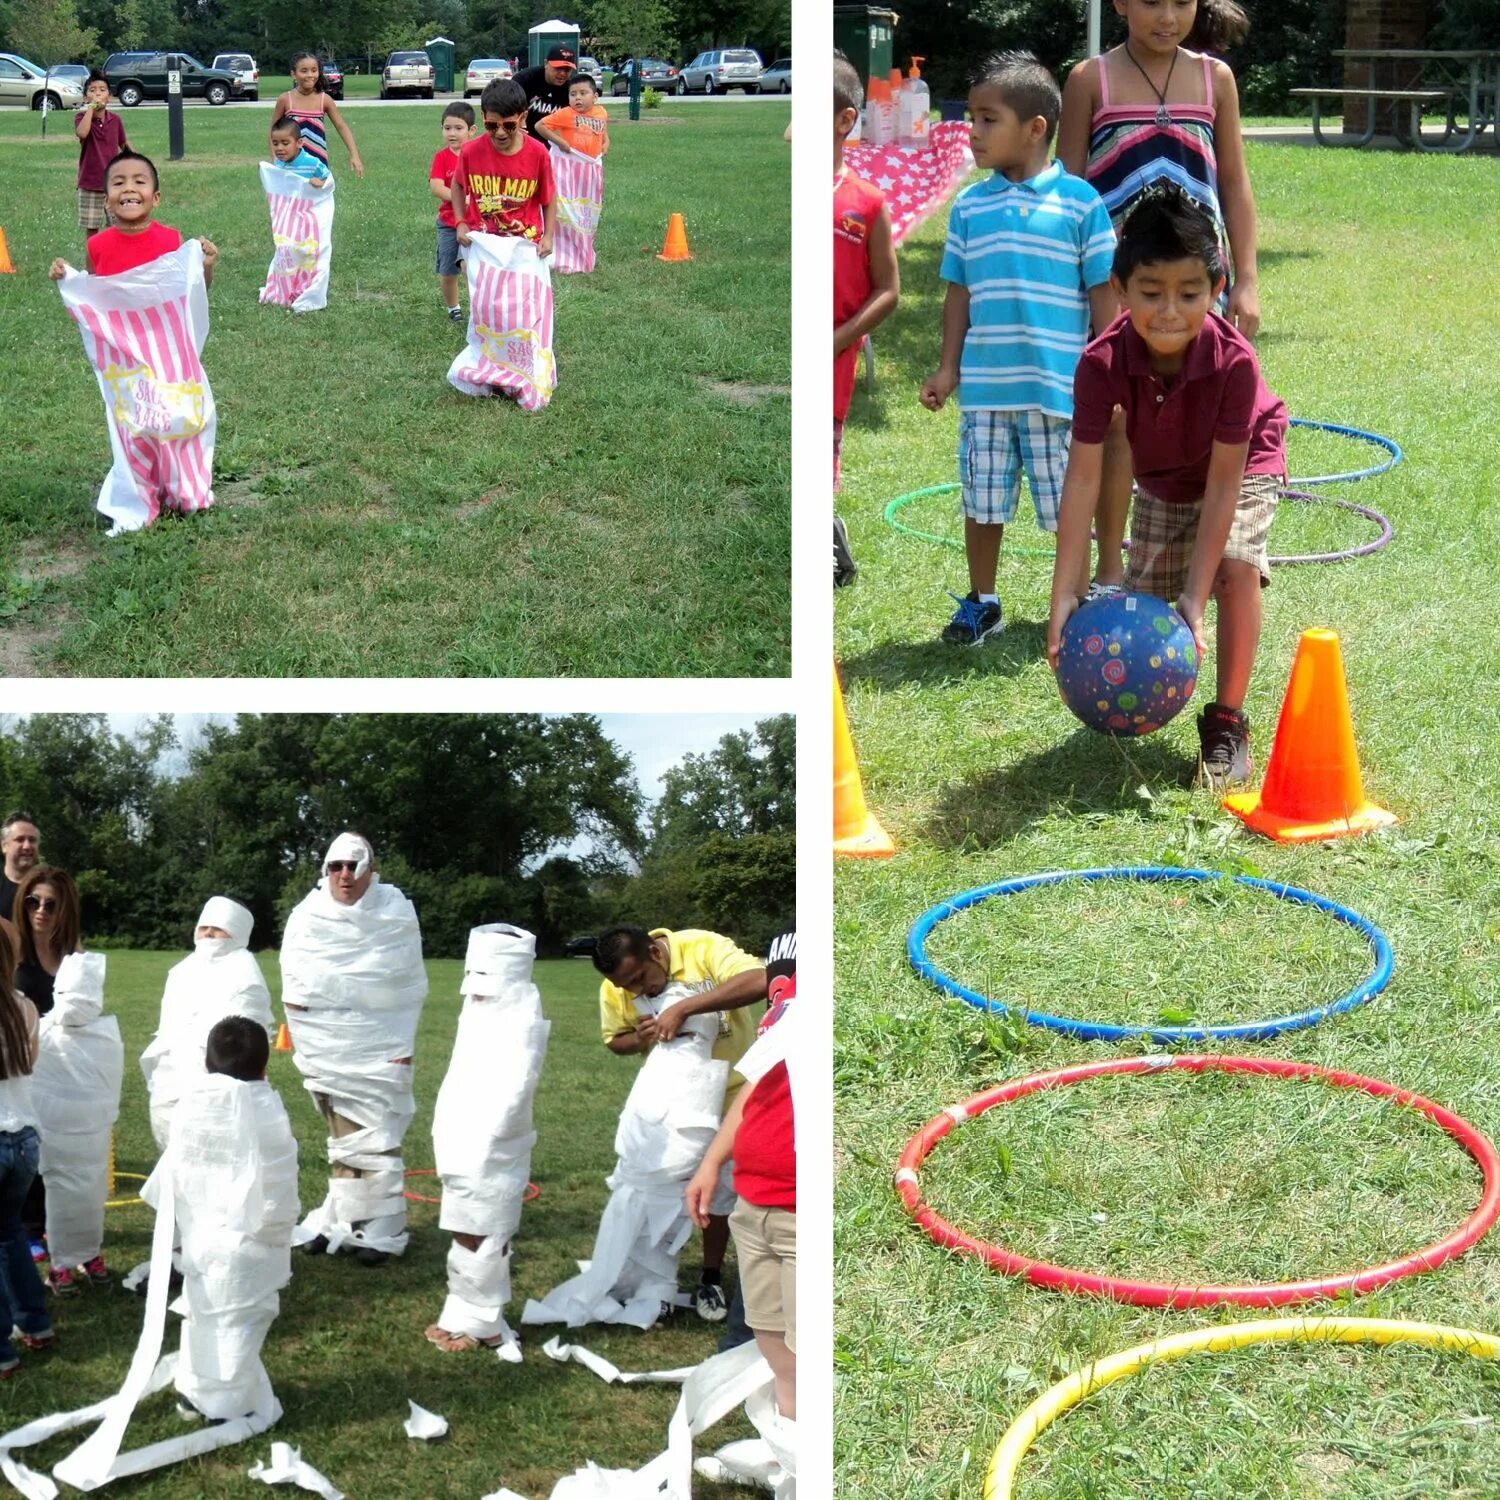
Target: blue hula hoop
1391	446
1097	1031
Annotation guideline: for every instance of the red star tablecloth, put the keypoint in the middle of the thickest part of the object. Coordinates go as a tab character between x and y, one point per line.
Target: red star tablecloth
916	180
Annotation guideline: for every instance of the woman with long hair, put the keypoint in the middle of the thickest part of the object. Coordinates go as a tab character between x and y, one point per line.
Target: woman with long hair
23	1307
49	921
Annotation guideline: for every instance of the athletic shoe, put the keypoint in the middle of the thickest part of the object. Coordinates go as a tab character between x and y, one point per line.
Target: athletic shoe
844	569
317	1246
1103	591
97	1272
63	1282
34	1340
973	623
455	315
8	1367
367	1255
1224	748
664	1315
38	1251
709	1303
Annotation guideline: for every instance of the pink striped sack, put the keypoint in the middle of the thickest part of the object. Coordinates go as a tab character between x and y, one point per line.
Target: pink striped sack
510	323
143	332
580	199
302	227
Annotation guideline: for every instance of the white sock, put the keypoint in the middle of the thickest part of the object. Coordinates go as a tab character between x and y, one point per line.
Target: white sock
989	598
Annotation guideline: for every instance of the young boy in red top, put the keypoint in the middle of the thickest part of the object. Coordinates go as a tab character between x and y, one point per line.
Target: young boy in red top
866	282
132	192
1207	447
458	130
101	138
503	182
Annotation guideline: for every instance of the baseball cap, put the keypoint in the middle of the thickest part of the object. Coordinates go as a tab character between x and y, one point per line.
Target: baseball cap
561	54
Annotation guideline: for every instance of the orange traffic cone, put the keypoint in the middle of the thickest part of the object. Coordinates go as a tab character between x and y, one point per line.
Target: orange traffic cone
856	830
1313	789
283	1039
5	265
676	246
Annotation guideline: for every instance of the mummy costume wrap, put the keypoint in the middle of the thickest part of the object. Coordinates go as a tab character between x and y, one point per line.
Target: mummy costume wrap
76	1089
218	978
670	1117
353	983
481	1128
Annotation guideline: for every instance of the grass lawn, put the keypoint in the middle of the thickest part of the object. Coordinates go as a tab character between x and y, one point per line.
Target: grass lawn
638	526
1372	277
347	1350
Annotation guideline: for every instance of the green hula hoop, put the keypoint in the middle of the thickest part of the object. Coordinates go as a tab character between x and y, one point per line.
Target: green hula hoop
945	541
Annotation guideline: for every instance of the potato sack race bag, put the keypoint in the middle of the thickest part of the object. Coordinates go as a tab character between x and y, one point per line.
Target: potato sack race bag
302	227
143	332
580	199
510	323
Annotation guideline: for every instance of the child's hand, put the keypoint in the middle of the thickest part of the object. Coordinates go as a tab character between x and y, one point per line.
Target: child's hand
58	269
210	253
699	1193
1062	611
461	232
544	246
356	165
1192	612
936	389
318	182
1244	308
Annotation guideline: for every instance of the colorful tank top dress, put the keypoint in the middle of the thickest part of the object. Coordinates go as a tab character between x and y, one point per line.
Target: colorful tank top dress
310	121
1129	151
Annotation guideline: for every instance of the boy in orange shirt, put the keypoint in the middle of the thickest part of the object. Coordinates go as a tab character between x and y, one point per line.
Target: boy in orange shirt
583	127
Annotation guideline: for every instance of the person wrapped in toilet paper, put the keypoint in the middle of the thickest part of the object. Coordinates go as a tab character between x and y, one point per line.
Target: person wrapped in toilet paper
353	985
218	978
230	1164
76	1087
482	1136
669	1120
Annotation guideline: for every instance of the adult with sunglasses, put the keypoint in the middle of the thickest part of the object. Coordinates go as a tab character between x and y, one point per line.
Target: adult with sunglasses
547	86
20	843
49	925
353	984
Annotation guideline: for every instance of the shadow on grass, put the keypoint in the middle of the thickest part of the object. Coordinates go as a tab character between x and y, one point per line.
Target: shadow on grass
934	661
1086	773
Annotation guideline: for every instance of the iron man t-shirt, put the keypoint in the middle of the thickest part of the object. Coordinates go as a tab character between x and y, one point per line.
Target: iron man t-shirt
506	194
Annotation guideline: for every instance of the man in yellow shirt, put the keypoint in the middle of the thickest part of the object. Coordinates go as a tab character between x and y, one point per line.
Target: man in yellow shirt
723	978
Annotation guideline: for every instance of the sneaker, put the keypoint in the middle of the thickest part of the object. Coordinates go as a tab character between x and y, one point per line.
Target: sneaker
8	1367
367	1255
973	623
318	1246
34	1340
844	569
38	1251
97	1272
1224	748
1102	591
709	1303
63	1282
455	315
664	1315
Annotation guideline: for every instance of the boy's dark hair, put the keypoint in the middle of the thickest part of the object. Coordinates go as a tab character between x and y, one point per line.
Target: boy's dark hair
460	109
1218	26
587	78
612	948
298	56
282	123
848	92
503	97
1164	225
1024	85
95	76
114	161
239	1047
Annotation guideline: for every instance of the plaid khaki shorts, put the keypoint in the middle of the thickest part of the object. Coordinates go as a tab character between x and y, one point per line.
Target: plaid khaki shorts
1162	536
92	214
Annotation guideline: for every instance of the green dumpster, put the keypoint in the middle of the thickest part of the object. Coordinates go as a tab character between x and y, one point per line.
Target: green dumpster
550	34
440	50
865	34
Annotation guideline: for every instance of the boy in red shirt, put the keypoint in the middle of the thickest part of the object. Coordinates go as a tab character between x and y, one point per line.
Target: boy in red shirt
132	192
458	130
866	281
503	182
101	137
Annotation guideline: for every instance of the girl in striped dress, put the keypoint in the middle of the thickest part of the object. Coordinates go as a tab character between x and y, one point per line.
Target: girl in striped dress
308	105
1147	111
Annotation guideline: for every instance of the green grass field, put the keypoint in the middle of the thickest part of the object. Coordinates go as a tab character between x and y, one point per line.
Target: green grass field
1373	270
371	520
347	1350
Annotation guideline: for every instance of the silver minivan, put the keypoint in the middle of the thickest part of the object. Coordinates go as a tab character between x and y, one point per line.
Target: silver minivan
22	82
728	68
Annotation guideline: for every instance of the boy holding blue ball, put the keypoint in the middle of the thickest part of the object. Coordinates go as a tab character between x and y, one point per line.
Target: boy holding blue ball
1208	451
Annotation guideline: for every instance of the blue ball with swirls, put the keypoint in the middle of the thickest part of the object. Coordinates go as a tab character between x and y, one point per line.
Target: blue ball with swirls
1128	664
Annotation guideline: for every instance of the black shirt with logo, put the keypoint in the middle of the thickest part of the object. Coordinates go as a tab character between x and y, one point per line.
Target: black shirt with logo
542	98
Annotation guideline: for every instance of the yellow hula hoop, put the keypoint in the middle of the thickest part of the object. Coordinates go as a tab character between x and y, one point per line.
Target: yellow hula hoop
125	1202
1000	1480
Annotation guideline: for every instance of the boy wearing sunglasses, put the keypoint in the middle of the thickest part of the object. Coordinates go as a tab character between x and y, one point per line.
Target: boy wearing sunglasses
503	182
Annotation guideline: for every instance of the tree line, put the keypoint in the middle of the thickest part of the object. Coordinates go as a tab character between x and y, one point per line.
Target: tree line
474	816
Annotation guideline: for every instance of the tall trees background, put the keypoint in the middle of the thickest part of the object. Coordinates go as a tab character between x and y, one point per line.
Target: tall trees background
478	817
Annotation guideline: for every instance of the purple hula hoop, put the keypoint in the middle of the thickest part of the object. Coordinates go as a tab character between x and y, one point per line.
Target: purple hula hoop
1387	531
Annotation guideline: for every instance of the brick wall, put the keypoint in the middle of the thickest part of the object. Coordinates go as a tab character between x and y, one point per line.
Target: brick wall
1381	23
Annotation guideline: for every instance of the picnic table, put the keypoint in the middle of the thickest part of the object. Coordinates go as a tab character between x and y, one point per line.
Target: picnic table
1460	81
916	180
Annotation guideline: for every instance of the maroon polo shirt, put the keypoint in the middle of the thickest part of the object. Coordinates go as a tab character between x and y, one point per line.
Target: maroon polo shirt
1218	396
104	142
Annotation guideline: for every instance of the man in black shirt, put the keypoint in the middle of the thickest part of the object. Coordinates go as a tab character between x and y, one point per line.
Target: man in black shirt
547	86
20	842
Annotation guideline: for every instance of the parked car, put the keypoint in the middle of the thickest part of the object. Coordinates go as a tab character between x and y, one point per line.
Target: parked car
713	72
594	68
407	73
333	79
243	65
134	76
22	82
655	74
581	947
777	79
483	70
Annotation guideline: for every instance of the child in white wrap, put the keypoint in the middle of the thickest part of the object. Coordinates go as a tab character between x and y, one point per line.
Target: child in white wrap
482	1136
76	1088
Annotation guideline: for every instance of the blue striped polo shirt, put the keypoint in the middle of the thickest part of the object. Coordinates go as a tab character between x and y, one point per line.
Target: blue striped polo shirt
1028	252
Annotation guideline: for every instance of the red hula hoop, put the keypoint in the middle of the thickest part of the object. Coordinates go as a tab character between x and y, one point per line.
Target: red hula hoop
532	1193
1158	1294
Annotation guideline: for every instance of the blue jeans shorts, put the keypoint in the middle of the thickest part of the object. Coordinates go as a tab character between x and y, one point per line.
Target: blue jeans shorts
993	446
448	258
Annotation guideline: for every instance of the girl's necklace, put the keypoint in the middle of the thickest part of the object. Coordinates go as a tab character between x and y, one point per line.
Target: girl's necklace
1163	114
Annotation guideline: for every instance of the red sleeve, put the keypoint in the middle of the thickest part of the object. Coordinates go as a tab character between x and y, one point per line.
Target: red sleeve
1237	401
1094	398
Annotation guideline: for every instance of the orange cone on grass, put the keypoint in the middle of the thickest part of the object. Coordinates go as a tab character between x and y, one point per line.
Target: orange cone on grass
1313	788
676	247
5	265
283	1039
856	830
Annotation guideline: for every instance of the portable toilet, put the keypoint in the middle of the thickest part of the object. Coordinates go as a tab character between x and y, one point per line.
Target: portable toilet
549	34
440	50
866	35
